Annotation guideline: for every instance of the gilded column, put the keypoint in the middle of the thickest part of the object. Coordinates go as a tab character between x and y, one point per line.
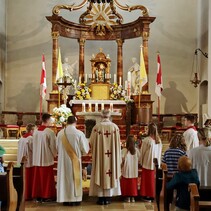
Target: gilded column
81	58
145	37
55	36
119	59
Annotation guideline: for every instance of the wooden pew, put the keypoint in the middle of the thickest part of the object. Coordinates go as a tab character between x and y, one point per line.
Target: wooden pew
8	193
158	184
19	184
197	203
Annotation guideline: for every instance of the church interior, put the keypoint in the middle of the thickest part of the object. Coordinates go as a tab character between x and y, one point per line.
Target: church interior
144	60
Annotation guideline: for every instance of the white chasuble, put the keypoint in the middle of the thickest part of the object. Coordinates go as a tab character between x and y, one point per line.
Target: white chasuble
106	160
66	189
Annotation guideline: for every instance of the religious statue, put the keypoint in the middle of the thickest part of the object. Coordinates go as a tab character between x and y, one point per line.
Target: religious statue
69	70
100	72
135	76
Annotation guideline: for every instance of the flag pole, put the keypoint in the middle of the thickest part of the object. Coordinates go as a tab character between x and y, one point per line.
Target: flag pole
40	108
158	109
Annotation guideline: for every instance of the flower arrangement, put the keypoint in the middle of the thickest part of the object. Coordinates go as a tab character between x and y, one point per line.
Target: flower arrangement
82	92
61	114
117	92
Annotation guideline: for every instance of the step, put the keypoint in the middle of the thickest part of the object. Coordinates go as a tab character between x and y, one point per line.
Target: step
10	157
11	150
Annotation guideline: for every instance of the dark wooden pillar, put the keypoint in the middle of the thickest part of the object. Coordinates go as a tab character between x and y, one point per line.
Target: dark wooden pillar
119	59
81	58
55	36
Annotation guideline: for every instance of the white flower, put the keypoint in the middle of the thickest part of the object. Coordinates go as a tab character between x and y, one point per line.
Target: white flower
62	119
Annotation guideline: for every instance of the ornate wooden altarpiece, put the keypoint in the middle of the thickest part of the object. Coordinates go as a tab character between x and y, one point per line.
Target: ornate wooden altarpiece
101	21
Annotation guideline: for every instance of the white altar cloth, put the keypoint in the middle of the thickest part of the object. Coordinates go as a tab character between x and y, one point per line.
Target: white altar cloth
96	115
105	102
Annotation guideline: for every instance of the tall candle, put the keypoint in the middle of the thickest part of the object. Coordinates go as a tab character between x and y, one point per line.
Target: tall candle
115	79
85	78
126	85
120	81
83	107
96	106
102	106
129	76
111	107
90	107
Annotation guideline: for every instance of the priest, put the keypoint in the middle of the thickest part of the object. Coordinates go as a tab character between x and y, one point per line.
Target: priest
44	152
106	160
71	145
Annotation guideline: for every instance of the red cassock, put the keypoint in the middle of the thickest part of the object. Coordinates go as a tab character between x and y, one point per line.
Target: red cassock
147	183
44	151
43	183
29	177
129	186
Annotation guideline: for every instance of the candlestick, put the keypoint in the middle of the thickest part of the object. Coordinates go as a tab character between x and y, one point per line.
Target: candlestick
96	106
126	85
102	106
120	81
115	79
85	79
90	107
129	76
111	107
83	107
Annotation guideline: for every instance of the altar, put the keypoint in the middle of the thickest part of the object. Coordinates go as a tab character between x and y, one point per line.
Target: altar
91	109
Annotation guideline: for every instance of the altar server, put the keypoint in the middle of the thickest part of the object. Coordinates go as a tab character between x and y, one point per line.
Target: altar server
201	158
2	152
151	148
106	160
44	152
129	180
71	145
25	149
190	135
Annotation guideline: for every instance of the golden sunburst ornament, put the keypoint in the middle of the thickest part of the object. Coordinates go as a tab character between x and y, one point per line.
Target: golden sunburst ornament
100	18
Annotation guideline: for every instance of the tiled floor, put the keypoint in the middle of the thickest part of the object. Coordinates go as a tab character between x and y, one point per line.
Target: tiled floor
90	206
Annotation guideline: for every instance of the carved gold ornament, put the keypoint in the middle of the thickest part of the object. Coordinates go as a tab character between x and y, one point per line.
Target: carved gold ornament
101	17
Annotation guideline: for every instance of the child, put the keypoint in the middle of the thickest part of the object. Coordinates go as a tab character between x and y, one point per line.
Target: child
25	149
177	148
151	148
129	180
180	182
2	152
190	135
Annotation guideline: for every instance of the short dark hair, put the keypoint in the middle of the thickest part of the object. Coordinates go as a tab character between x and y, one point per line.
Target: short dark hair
46	117
190	117
71	120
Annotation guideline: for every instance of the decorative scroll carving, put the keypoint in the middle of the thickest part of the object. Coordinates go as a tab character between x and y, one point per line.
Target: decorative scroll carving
57	8
128	8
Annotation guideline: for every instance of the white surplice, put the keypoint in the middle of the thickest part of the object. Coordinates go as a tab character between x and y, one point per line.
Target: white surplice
191	138
150	150
201	161
106	160
65	179
44	147
130	167
25	149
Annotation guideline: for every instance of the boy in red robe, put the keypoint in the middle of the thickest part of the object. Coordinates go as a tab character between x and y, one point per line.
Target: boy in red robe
44	152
